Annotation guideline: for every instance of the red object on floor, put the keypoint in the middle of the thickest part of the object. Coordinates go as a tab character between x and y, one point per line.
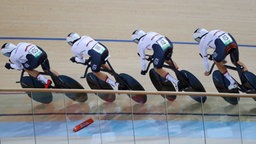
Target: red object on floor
83	125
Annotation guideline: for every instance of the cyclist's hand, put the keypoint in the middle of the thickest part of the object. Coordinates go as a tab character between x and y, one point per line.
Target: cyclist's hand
206	73
8	66
142	72
86	62
73	59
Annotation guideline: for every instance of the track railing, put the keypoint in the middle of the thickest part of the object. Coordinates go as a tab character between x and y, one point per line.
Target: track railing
23	120
212	94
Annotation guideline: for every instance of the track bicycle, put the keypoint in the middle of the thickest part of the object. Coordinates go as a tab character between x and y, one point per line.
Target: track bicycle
188	81
59	82
247	82
125	81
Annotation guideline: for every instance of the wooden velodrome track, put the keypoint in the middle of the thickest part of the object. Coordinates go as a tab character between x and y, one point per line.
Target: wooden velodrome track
116	20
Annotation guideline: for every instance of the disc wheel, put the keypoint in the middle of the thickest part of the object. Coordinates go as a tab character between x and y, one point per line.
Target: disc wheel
194	86
221	83
133	84
161	84
69	83
96	83
41	97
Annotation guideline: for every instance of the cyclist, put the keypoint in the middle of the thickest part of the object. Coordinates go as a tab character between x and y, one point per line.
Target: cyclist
223	44
27	56
163	49
85	46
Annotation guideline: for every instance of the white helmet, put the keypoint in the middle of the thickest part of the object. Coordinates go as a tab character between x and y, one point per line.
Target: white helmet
72	38
137	35
7	48
199	33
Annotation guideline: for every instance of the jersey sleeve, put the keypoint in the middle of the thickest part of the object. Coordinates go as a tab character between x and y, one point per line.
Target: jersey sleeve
204	54
206	64
143	62
78	56
16	66
80	59
15	63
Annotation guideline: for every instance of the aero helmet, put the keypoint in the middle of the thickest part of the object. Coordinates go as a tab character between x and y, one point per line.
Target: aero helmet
137	35
72	38
7	48
199	33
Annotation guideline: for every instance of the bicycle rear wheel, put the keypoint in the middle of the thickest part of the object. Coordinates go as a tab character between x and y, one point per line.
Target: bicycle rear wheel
133	84
69	83
221	83
250	82
96	83
31	82
162	84
195	86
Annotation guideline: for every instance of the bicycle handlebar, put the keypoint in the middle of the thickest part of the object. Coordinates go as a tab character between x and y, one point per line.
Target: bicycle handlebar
88	65
150	59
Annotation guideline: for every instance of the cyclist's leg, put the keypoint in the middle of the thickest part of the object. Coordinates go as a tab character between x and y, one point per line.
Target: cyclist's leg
218	57
159	59
97	61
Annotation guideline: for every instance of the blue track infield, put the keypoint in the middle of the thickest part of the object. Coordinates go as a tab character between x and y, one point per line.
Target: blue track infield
148	127
177	129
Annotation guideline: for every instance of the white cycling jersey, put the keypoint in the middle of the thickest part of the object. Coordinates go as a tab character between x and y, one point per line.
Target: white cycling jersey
146	43
81	47
208	41
18	55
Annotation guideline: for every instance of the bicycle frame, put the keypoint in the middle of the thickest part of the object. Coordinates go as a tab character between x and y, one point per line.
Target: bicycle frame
58	83
22	75
178	74
111	71
237	68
